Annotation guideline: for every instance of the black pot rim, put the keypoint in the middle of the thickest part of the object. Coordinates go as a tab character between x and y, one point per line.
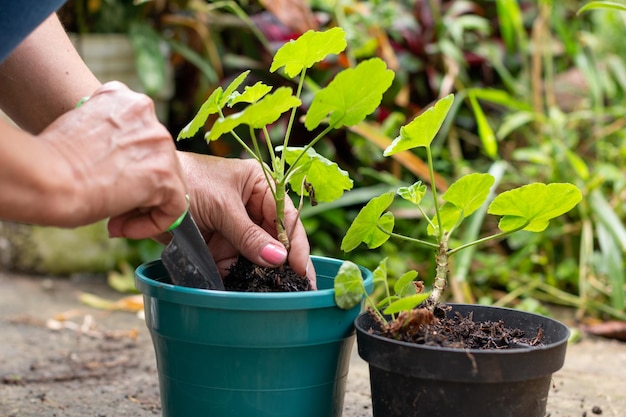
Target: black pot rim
548	346
469	365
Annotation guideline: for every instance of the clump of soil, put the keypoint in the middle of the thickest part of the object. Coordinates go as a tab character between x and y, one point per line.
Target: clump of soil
423	327
245	276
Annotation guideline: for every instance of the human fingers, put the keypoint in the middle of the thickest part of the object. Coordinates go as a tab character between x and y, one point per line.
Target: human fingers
231	198
123	163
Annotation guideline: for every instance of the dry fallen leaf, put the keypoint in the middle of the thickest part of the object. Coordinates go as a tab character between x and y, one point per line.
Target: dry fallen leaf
133	303
610	329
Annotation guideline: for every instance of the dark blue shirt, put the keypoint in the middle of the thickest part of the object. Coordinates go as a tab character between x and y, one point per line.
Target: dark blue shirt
18	18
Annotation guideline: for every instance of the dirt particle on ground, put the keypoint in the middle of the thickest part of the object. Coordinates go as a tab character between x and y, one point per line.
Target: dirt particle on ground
596	410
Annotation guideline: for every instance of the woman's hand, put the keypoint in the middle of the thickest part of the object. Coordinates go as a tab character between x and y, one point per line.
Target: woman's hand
117	161
235	210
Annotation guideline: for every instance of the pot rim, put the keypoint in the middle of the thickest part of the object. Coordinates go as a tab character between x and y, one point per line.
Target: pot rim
514	351
149	285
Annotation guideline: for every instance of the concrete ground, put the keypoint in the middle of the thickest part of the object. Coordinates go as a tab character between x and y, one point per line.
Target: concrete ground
101	364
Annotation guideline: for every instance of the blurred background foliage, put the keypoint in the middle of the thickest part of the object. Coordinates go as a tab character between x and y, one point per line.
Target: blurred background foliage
540	97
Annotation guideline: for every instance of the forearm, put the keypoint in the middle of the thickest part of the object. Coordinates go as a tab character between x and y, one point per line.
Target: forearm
43	78
33	184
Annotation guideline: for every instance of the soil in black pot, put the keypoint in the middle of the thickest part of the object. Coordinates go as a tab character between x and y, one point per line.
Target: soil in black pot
421	326
245	276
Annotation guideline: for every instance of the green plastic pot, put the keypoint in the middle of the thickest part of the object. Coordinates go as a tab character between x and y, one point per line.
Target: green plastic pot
234	354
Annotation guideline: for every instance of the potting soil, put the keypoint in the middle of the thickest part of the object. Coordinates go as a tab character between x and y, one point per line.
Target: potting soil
245	276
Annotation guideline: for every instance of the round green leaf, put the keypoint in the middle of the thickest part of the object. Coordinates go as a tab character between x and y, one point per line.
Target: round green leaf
423	129
351	96
534	205
258	115
308	49
364	228
469	192
209	107
349	288
327	179
251	94
406	303
404	285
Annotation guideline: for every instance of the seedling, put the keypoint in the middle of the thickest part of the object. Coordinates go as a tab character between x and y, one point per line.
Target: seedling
348	99
529	207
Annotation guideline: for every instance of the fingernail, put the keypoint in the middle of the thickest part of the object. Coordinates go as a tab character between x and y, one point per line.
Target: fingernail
274	254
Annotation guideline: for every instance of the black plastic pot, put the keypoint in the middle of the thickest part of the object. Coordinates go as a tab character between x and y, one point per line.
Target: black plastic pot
409	380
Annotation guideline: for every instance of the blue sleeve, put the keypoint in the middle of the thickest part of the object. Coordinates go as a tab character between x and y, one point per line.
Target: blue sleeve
18	18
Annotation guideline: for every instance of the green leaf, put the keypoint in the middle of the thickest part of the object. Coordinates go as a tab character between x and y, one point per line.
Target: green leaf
406	303
257	115
608	216
327	179
414	193
209	107
463	198
450	216
469	192
351	96
602	5
150	62
232	87
216	101
349	288
195	58
364	228
578	163
501	97
514	121
485	132
423	129
534	205
386	301
511	22
308	49
404	285
613	265
380	273
251	94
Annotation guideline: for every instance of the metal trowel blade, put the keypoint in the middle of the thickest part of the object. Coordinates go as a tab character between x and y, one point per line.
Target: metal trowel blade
188	260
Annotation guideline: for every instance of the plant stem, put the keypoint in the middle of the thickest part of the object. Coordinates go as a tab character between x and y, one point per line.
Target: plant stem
410	239
267	171
441	274
268	143
305	149
243	144
433	188
485	239
292	118
281	230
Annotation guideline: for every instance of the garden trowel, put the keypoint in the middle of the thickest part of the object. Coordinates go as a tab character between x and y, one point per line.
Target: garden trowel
188	260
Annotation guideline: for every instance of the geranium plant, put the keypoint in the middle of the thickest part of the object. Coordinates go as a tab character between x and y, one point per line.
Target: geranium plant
529	207
348	99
